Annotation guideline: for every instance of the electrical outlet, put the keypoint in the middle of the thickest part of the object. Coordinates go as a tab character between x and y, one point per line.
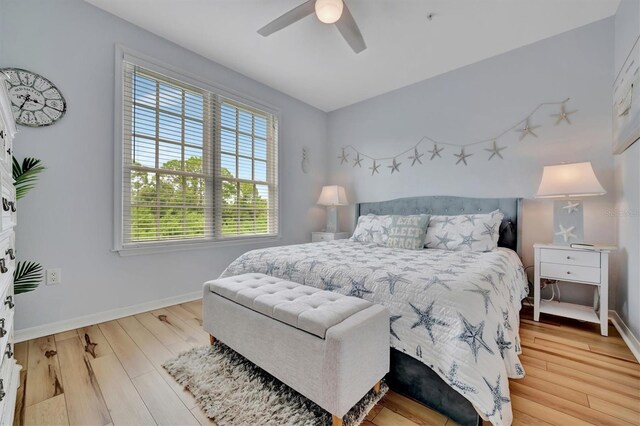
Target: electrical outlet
54	276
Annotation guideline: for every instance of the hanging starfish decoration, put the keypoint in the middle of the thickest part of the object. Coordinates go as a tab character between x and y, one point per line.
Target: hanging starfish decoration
394	166
416	157
571	207
566	233
344	157
563	115
528	129
357	161
462	157
374	168
495	150
435	151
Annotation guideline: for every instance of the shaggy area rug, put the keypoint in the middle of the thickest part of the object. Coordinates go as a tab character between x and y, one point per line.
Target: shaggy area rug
234	392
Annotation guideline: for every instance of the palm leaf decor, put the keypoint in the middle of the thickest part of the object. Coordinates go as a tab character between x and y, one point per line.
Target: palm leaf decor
26	175
26	277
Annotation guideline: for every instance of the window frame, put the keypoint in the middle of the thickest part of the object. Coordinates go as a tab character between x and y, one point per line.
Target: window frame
124	54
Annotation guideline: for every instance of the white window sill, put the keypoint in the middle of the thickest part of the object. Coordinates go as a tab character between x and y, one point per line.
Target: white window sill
170	247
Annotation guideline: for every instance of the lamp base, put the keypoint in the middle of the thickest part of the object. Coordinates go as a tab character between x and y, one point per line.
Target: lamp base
332	219
568	222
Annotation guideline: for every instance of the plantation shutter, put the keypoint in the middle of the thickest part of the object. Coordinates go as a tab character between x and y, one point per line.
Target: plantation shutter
196	166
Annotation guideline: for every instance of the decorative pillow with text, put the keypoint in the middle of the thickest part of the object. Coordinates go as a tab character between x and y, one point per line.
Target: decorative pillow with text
408	232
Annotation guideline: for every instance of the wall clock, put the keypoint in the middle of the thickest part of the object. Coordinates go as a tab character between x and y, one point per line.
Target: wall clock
35	101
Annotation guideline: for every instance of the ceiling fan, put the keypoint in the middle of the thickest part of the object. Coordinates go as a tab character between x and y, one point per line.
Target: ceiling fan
328	12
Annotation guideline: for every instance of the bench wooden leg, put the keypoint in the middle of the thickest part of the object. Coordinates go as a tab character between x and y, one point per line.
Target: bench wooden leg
376	388
336	421
212	339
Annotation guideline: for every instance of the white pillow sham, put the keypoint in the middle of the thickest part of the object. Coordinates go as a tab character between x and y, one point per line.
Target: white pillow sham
467	232
373	229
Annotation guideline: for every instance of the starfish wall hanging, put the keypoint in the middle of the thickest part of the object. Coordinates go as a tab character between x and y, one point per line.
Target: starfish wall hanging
462	157
563	115
527	130
495	150
524	127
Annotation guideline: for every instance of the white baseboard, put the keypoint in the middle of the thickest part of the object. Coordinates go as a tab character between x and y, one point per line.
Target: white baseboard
628	337
70	324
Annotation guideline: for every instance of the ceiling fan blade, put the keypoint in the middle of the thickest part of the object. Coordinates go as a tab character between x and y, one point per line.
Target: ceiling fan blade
350	31
294	15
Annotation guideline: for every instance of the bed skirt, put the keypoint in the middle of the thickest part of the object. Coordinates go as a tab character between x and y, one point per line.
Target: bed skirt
411	378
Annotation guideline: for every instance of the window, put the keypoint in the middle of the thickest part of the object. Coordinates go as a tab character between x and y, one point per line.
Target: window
197	166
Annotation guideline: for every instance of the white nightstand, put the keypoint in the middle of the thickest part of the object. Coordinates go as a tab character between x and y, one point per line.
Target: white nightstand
563	263
328	236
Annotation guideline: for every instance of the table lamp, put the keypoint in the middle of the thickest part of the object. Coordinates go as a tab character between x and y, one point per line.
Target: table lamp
332	196
567	183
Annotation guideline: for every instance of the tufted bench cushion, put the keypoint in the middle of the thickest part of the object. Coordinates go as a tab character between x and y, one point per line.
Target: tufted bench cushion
303	307
329	347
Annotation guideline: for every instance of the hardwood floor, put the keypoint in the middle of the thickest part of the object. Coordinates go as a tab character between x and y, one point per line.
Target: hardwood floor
110	374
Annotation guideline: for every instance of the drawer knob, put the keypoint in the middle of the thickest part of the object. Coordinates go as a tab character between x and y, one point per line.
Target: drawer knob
11	254
568	272
3	332
9	352
3	267
5	205
2	393
9	301
568	257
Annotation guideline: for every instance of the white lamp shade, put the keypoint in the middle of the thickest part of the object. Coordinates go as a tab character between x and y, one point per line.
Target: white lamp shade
569	180
332	195
329	11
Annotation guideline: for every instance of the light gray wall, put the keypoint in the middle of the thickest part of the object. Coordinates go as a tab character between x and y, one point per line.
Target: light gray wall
67	221
627	165
477	102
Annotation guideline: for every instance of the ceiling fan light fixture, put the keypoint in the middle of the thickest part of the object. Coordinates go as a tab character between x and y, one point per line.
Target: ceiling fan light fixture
328	11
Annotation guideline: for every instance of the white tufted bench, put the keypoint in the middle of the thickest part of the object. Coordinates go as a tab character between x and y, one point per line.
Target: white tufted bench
330	348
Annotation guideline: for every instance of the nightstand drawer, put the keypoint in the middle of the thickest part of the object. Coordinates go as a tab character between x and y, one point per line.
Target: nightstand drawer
571	257
328	236
570	272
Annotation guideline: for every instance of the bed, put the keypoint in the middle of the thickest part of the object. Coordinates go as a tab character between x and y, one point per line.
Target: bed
454	315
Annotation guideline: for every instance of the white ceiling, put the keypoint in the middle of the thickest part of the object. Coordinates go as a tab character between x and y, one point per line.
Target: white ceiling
311	61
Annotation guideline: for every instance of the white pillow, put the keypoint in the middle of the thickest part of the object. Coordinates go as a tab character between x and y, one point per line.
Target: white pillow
373	229
467	232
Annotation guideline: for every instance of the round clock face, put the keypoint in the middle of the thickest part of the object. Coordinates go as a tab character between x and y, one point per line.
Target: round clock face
35	101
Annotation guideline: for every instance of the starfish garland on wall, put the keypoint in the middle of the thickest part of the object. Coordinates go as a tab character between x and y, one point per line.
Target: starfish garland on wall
524	127
563	115
527	130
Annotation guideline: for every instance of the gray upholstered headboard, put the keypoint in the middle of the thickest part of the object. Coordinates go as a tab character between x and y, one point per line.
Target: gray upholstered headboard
510	207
